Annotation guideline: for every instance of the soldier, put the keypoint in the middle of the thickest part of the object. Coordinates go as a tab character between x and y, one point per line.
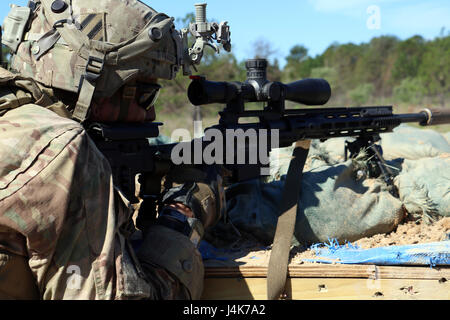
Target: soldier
64	226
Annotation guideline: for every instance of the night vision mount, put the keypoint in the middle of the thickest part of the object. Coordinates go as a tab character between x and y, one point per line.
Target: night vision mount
205	34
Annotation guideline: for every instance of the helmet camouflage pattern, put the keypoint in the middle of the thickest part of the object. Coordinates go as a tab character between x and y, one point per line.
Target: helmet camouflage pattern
84	46
93	48
116	23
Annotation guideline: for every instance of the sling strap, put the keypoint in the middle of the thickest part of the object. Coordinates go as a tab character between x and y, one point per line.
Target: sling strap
279	257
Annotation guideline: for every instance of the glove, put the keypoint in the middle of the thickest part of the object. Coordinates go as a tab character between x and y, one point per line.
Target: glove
205	197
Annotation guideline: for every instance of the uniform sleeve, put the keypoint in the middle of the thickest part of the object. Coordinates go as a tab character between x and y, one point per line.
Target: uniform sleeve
164	247
65	206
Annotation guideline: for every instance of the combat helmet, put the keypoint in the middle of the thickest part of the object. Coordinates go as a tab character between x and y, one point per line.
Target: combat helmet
92	48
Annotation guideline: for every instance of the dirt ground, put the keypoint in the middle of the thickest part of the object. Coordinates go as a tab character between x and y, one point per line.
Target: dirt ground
250	253
409	233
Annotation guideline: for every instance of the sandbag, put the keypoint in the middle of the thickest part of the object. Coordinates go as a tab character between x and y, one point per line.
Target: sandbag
332	204
424	186
320	154
336	203
413	143
405	142
447	136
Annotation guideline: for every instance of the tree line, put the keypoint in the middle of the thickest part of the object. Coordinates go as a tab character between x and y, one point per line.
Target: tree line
388	70
410	71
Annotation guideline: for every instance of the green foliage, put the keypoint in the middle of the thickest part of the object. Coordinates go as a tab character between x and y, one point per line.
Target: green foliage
409	57
186	20
416	69
361	94
299	65
5	56
297	54
344	59
410	90
434	69
375	64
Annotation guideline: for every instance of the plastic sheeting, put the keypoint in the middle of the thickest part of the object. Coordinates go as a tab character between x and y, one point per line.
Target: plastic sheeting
432	254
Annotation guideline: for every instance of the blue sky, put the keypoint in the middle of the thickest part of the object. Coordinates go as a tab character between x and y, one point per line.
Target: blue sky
313	23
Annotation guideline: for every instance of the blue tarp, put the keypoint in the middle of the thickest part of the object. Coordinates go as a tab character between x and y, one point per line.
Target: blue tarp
432	254
209	252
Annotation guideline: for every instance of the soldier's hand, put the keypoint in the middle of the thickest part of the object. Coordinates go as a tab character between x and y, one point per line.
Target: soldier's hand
202	193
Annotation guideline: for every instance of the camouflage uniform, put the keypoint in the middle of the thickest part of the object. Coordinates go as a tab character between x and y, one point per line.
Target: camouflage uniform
60	211
64	226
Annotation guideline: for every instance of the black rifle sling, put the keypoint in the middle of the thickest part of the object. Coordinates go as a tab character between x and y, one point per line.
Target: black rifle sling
279	257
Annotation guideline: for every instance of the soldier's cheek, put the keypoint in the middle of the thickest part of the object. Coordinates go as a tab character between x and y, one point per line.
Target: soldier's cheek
136	113
104	111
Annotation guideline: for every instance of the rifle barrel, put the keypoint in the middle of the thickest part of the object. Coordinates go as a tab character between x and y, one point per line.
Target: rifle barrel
435	117
426	117
412	117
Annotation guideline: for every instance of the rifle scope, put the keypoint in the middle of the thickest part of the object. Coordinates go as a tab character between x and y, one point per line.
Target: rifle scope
258	88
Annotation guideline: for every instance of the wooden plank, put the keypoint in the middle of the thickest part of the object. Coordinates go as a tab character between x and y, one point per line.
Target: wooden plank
329	288
336	271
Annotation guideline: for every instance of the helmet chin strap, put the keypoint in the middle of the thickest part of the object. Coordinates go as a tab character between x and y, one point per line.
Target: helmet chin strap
94	68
